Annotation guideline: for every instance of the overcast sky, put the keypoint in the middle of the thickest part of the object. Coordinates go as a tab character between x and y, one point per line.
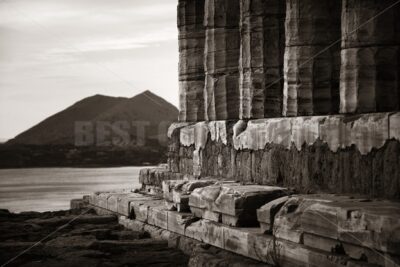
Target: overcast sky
56	52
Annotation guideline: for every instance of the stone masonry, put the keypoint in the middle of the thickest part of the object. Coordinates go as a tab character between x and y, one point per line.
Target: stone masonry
269	62
288	147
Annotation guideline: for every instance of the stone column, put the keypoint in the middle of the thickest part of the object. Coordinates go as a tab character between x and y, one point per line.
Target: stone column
370	78
191	60
222	59
262	27
311	83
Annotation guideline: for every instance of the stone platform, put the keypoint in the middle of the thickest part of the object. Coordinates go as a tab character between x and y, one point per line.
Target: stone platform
297	230
346	154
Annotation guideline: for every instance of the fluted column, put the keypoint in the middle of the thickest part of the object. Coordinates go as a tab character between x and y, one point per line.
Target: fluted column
262	28
370	78
191	60
222	59
311	83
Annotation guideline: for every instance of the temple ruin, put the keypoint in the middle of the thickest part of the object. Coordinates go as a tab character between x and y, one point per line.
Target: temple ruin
287	149
300	93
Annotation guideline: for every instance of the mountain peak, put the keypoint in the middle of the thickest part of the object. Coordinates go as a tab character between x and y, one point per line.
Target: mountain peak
59	128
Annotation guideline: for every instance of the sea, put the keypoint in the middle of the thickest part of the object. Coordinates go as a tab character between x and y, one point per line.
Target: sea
51	189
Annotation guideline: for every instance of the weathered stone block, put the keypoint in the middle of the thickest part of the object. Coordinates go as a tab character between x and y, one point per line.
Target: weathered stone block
124	206
354	221
266	214
206	214
158	216
238	202
178	191
207	232
139	208
237	240
177	222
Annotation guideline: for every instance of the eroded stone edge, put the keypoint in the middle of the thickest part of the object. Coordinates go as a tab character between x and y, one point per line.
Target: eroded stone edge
366	132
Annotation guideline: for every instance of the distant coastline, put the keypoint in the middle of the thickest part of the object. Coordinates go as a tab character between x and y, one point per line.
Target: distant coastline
41	156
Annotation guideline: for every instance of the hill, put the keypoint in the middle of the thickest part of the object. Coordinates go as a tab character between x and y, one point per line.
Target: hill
115	127
146	108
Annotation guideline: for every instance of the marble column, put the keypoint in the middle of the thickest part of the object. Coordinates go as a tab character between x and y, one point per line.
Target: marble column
262	28
311	77
191	60
370	78
221	93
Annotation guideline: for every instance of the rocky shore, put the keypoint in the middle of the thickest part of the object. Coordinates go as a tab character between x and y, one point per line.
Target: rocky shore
80	237
87	240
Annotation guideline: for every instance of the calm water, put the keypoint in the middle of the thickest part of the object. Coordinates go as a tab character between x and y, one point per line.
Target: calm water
50	189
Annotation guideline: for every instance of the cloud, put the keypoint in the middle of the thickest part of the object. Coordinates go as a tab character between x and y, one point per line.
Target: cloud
69	49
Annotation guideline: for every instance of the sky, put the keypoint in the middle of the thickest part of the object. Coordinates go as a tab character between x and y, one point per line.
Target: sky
54	53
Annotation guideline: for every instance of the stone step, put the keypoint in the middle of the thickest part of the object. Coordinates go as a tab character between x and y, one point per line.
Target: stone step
370	224
303	230
152	178
178	191
233	204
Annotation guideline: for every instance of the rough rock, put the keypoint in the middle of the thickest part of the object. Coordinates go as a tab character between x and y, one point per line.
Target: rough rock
83	243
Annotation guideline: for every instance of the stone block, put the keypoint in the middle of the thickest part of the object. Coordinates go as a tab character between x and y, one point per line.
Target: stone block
353	221
287	221
291	254
237	240
238	202
261	248
207	232
266	214
177	222
124	207
112	202
101	200
322	243
151	212
178	191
